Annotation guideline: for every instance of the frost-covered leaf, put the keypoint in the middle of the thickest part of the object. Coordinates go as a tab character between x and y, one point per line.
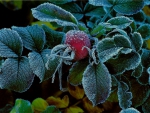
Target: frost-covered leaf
10	43
139	18
140	93
127	7
124	95
95	11
37	62
120	22
51	109
96	79
16	74
109	47
43	66
144	30
58	102
73	109
51	65
33	37
147	2
124	62
137	72
122	41
144	78
74	9
106	49
145	59
100	3
137	41
76	91
22	106
76	72
53	37
51	13
130	110
145	106
39	104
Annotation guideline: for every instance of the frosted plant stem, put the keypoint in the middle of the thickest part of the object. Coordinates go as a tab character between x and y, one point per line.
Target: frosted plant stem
53	76
60	79
106	15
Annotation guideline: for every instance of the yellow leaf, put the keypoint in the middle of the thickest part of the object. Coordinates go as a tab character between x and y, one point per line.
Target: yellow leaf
146	9
74	109
76	91
89	107
39	105
59	103
45	23
148	44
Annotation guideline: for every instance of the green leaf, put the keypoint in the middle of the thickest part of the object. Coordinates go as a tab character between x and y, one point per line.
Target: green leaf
120	22
37	62
97	83
53	37
137	41
33	37
123	62
99	30
130	110
145	106
140	93
51	109
60	1
95	11
144	30
39	104
51	13
22	106
12	5
16	74
76	72
10	43
100	3
106	49
124	95
127	7
74	9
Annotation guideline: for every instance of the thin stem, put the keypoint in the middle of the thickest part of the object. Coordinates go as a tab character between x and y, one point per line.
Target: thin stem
106	15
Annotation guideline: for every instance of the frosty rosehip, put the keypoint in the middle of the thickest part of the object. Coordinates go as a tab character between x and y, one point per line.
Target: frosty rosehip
77	40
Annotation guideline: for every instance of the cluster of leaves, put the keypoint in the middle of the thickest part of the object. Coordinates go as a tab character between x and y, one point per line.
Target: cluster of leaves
118	62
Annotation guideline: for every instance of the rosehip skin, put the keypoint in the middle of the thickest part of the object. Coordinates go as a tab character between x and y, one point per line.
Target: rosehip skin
77	40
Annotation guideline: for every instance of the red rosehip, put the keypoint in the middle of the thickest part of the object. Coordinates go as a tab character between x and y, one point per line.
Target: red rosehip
77	40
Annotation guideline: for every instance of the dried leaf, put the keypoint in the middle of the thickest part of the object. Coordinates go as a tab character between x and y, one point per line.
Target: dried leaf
74	109
76	91
89	106
58	102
